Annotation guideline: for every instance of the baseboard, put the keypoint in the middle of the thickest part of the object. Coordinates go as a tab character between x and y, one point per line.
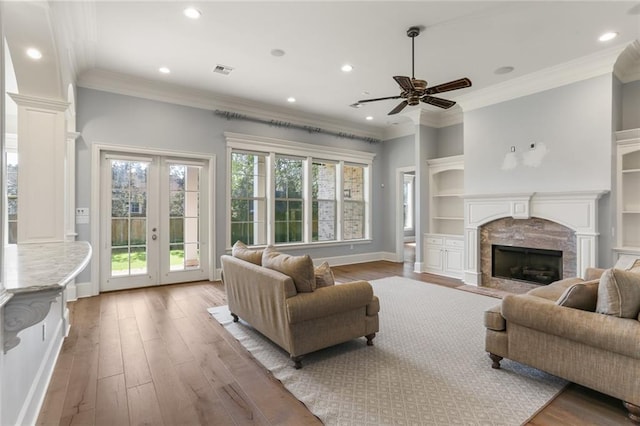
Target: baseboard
418	267
70	292
410	239
84	290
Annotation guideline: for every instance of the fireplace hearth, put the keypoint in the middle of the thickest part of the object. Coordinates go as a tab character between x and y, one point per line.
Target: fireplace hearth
533	265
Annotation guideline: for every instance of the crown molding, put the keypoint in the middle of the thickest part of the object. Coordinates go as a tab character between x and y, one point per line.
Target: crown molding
627	67
38	102
149	89
549	78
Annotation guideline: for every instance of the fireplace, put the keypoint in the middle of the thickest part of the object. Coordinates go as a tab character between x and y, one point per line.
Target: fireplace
533	265
565	221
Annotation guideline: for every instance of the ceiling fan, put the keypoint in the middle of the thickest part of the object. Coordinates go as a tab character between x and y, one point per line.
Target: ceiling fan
414	90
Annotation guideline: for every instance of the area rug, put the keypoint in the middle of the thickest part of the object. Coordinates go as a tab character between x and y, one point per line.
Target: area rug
427	366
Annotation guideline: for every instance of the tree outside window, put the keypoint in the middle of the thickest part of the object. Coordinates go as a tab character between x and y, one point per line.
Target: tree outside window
248	198
289	212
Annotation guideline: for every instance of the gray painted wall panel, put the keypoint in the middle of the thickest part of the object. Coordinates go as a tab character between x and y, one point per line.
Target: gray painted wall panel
450	141
573	122
631	105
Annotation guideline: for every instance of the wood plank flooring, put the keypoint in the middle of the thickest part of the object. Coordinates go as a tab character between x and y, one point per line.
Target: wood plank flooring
154	357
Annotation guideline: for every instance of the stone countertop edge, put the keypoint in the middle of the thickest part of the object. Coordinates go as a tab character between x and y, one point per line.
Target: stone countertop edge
42	266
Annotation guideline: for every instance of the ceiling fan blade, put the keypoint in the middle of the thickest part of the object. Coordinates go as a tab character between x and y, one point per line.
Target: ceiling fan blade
404	82
452	85
439	102
378	99
398	108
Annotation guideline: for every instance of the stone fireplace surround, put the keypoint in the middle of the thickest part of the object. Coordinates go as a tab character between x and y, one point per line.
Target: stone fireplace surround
577	210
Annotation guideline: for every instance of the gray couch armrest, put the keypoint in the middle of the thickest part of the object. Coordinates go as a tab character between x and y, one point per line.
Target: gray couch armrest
328	301
620	335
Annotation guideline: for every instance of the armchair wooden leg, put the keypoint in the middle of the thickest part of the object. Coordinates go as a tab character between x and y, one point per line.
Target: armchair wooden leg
235	317
297	362
634	411
370	338
496	360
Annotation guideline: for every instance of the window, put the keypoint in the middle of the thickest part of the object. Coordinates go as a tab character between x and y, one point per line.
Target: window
12	197
248	211
323	201
294	193
354	202
289	209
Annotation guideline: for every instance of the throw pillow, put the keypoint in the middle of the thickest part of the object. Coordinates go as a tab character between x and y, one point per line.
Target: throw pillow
583	296
299	268
241	251
324	276
619	293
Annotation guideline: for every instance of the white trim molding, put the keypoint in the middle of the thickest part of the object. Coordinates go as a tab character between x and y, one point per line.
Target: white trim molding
577	210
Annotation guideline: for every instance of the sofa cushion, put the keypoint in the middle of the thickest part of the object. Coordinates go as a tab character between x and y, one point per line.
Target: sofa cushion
324	275
554	290
299	268
241	251
582	296
619	293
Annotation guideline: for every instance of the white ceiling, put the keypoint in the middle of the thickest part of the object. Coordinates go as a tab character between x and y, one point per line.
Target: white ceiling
460	39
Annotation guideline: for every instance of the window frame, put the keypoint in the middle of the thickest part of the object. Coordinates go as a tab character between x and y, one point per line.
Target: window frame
310	153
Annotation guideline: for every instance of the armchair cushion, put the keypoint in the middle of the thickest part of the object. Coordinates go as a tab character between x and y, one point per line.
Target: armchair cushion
324	275
299	268
619	293
582	296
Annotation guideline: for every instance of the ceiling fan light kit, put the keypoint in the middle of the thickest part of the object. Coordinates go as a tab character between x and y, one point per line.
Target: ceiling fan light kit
415	90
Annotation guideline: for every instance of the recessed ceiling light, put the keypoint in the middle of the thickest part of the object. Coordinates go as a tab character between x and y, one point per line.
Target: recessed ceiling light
503	70
192	12
368	118
34	53
347	68
277	52
608	36
291	99
164	70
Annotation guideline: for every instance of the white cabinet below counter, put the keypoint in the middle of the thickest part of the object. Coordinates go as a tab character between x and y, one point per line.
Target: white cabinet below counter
444	255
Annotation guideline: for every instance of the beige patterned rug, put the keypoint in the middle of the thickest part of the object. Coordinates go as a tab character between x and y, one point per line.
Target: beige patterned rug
427	366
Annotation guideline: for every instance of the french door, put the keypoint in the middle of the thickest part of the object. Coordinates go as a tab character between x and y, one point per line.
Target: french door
153	220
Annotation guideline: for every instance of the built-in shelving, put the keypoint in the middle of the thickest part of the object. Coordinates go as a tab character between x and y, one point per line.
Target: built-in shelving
628	191
444	243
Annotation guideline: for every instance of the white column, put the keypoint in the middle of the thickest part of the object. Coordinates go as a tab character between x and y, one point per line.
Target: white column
41	175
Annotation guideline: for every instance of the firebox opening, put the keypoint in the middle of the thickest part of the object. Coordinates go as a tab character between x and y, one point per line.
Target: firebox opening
532	265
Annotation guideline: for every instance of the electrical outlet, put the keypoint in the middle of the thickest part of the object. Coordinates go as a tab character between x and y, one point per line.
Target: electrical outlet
82	211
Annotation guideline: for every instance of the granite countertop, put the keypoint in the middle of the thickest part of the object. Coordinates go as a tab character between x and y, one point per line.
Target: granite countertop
37	267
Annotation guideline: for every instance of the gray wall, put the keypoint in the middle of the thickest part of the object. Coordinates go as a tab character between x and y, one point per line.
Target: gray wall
109	118
631	105
450	141
573	122
396	153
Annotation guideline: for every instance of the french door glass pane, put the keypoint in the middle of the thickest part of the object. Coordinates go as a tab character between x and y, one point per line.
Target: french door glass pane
128	217
184	212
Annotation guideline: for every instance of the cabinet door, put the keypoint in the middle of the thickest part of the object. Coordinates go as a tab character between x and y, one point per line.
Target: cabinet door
453	261
433	258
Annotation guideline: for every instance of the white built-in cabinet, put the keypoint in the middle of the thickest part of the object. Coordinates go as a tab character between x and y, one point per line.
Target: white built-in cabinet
628	191
444	243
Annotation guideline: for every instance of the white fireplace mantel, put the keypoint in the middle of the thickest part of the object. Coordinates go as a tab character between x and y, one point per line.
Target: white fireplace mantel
577	210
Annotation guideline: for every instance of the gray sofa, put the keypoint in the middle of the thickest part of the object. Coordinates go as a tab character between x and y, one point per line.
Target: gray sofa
299	322
580	344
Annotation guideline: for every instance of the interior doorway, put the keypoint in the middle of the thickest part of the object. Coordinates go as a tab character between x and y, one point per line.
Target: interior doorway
405	215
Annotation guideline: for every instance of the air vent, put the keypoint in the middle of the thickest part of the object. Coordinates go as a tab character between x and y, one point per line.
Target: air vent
223	69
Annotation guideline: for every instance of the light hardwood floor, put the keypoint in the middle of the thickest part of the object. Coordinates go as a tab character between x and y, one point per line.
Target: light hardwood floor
154	357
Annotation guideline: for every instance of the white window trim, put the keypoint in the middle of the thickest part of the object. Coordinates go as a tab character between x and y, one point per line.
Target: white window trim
272	146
